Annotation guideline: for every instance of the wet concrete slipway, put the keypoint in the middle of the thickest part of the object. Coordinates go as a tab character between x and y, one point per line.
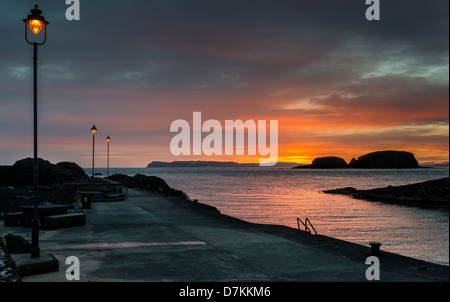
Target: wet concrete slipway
155	238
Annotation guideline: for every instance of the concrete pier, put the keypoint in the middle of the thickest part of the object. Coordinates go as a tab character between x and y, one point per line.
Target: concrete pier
155	238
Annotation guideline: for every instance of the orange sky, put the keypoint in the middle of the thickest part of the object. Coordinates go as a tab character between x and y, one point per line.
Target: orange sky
337	84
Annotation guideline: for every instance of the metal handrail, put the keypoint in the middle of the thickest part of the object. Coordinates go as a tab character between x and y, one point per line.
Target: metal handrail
305	224
307	230
307	221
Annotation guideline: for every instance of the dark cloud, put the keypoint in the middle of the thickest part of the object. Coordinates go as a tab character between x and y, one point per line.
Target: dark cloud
144	61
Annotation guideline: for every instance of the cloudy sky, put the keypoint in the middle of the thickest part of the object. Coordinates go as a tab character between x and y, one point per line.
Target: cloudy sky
337	83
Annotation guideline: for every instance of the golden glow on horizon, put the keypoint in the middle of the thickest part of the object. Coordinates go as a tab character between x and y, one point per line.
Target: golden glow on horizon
36	26
296	159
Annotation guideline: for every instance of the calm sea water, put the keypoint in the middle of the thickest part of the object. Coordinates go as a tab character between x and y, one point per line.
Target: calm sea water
279	196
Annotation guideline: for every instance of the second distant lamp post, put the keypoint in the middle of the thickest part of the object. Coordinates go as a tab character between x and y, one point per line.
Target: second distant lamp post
107	157
93	129
36	23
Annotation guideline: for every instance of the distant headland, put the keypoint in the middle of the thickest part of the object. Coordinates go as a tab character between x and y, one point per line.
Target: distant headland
388	159
200	163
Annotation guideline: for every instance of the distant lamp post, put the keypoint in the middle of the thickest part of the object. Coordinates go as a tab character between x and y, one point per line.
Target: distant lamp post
36	23
93	129
107	157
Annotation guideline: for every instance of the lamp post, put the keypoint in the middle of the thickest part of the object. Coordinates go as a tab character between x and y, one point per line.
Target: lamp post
93	129
36	23
107	157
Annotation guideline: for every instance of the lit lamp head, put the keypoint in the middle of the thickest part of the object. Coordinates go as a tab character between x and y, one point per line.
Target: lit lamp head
93	129
36	22
108	139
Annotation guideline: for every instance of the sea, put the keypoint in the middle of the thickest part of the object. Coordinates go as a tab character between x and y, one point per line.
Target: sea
279	196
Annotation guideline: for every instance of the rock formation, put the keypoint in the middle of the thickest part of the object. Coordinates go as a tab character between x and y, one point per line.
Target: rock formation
375	160
16	183
385	160
329	162
21	173
428	194
152	183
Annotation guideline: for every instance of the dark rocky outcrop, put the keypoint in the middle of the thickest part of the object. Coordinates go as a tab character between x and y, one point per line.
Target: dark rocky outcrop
59	183
327	162
151	183
385	160
16	183
72	170
376	160
428	194
21	173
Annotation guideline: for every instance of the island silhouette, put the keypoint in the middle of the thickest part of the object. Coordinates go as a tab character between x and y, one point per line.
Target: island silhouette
388	159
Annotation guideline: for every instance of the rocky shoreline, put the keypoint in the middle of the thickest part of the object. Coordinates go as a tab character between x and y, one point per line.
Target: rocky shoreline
433	194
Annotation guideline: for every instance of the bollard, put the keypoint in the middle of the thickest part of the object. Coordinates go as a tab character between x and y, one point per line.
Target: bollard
375	248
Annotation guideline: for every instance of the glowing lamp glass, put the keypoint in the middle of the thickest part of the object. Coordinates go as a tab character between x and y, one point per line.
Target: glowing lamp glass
36	26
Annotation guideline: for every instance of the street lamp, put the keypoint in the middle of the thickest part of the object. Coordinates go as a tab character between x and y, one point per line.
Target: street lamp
107	160
36	23
93	129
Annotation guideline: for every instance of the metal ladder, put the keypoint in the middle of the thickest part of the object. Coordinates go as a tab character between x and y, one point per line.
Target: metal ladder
305	224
